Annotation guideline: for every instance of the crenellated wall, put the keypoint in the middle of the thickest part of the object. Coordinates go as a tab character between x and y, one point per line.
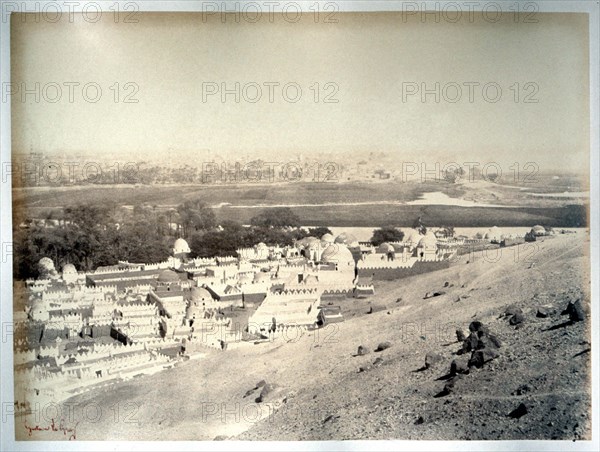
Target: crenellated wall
389	273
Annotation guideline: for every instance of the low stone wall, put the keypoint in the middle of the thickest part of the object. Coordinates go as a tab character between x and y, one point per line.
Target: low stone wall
389	274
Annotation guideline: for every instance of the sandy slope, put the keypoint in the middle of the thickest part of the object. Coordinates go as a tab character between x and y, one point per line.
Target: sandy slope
319	393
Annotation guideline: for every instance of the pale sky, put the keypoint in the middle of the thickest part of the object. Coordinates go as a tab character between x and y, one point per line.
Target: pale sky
369	57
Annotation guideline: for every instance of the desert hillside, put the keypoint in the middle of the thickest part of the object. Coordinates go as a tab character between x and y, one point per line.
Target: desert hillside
532	380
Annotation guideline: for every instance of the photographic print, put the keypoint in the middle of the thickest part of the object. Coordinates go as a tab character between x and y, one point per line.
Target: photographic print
299	221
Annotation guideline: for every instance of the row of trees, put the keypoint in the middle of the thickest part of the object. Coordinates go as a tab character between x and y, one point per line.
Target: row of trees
93	236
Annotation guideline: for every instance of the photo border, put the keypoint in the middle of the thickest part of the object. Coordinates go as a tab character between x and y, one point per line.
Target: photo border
7	429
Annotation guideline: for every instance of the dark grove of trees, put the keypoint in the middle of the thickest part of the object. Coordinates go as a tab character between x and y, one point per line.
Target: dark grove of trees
93	236
386	234
279	217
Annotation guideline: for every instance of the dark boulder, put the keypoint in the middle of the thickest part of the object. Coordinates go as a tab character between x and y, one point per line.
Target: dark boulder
362	350
383	346
265	391
512	310
577	311
459	366
480	357
477	326
431	359
518	412
470	343
460	335
517	319
544	311
488	341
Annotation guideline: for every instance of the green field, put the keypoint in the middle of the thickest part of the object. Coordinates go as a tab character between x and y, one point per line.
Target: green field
247	194
404	216
521	209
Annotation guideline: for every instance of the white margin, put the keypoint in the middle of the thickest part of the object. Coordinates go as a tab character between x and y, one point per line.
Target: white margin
6	354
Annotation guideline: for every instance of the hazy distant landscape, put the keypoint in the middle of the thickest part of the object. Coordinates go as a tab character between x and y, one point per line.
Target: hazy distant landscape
333	204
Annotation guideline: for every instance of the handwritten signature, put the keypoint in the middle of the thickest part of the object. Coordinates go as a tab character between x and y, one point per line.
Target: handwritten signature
53	427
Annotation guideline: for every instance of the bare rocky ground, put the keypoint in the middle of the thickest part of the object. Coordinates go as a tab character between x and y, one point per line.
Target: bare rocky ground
536	384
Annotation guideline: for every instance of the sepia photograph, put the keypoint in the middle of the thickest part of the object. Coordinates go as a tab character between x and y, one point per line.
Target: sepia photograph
300	224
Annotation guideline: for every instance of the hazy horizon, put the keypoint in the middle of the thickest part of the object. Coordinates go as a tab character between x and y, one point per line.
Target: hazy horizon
369	57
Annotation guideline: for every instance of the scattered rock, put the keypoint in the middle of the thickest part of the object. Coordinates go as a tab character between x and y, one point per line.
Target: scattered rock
480	357
431	359
460	335
378	362
512	310
544	311
517	318
362	350
521	390
363	368
488	341
383	345
577	311
266	390
260	384
519	411
370	311
476	326
446	284
419	420
470	343
448	387
459	366
433	294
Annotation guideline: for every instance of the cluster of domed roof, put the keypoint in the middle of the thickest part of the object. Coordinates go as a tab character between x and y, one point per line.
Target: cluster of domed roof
200	295
338	254
345	238
328	238
181	247
428	241
538	230
167	277
38	310
412	237
46	263
69	269
308	242
494	233
385	248
46	268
